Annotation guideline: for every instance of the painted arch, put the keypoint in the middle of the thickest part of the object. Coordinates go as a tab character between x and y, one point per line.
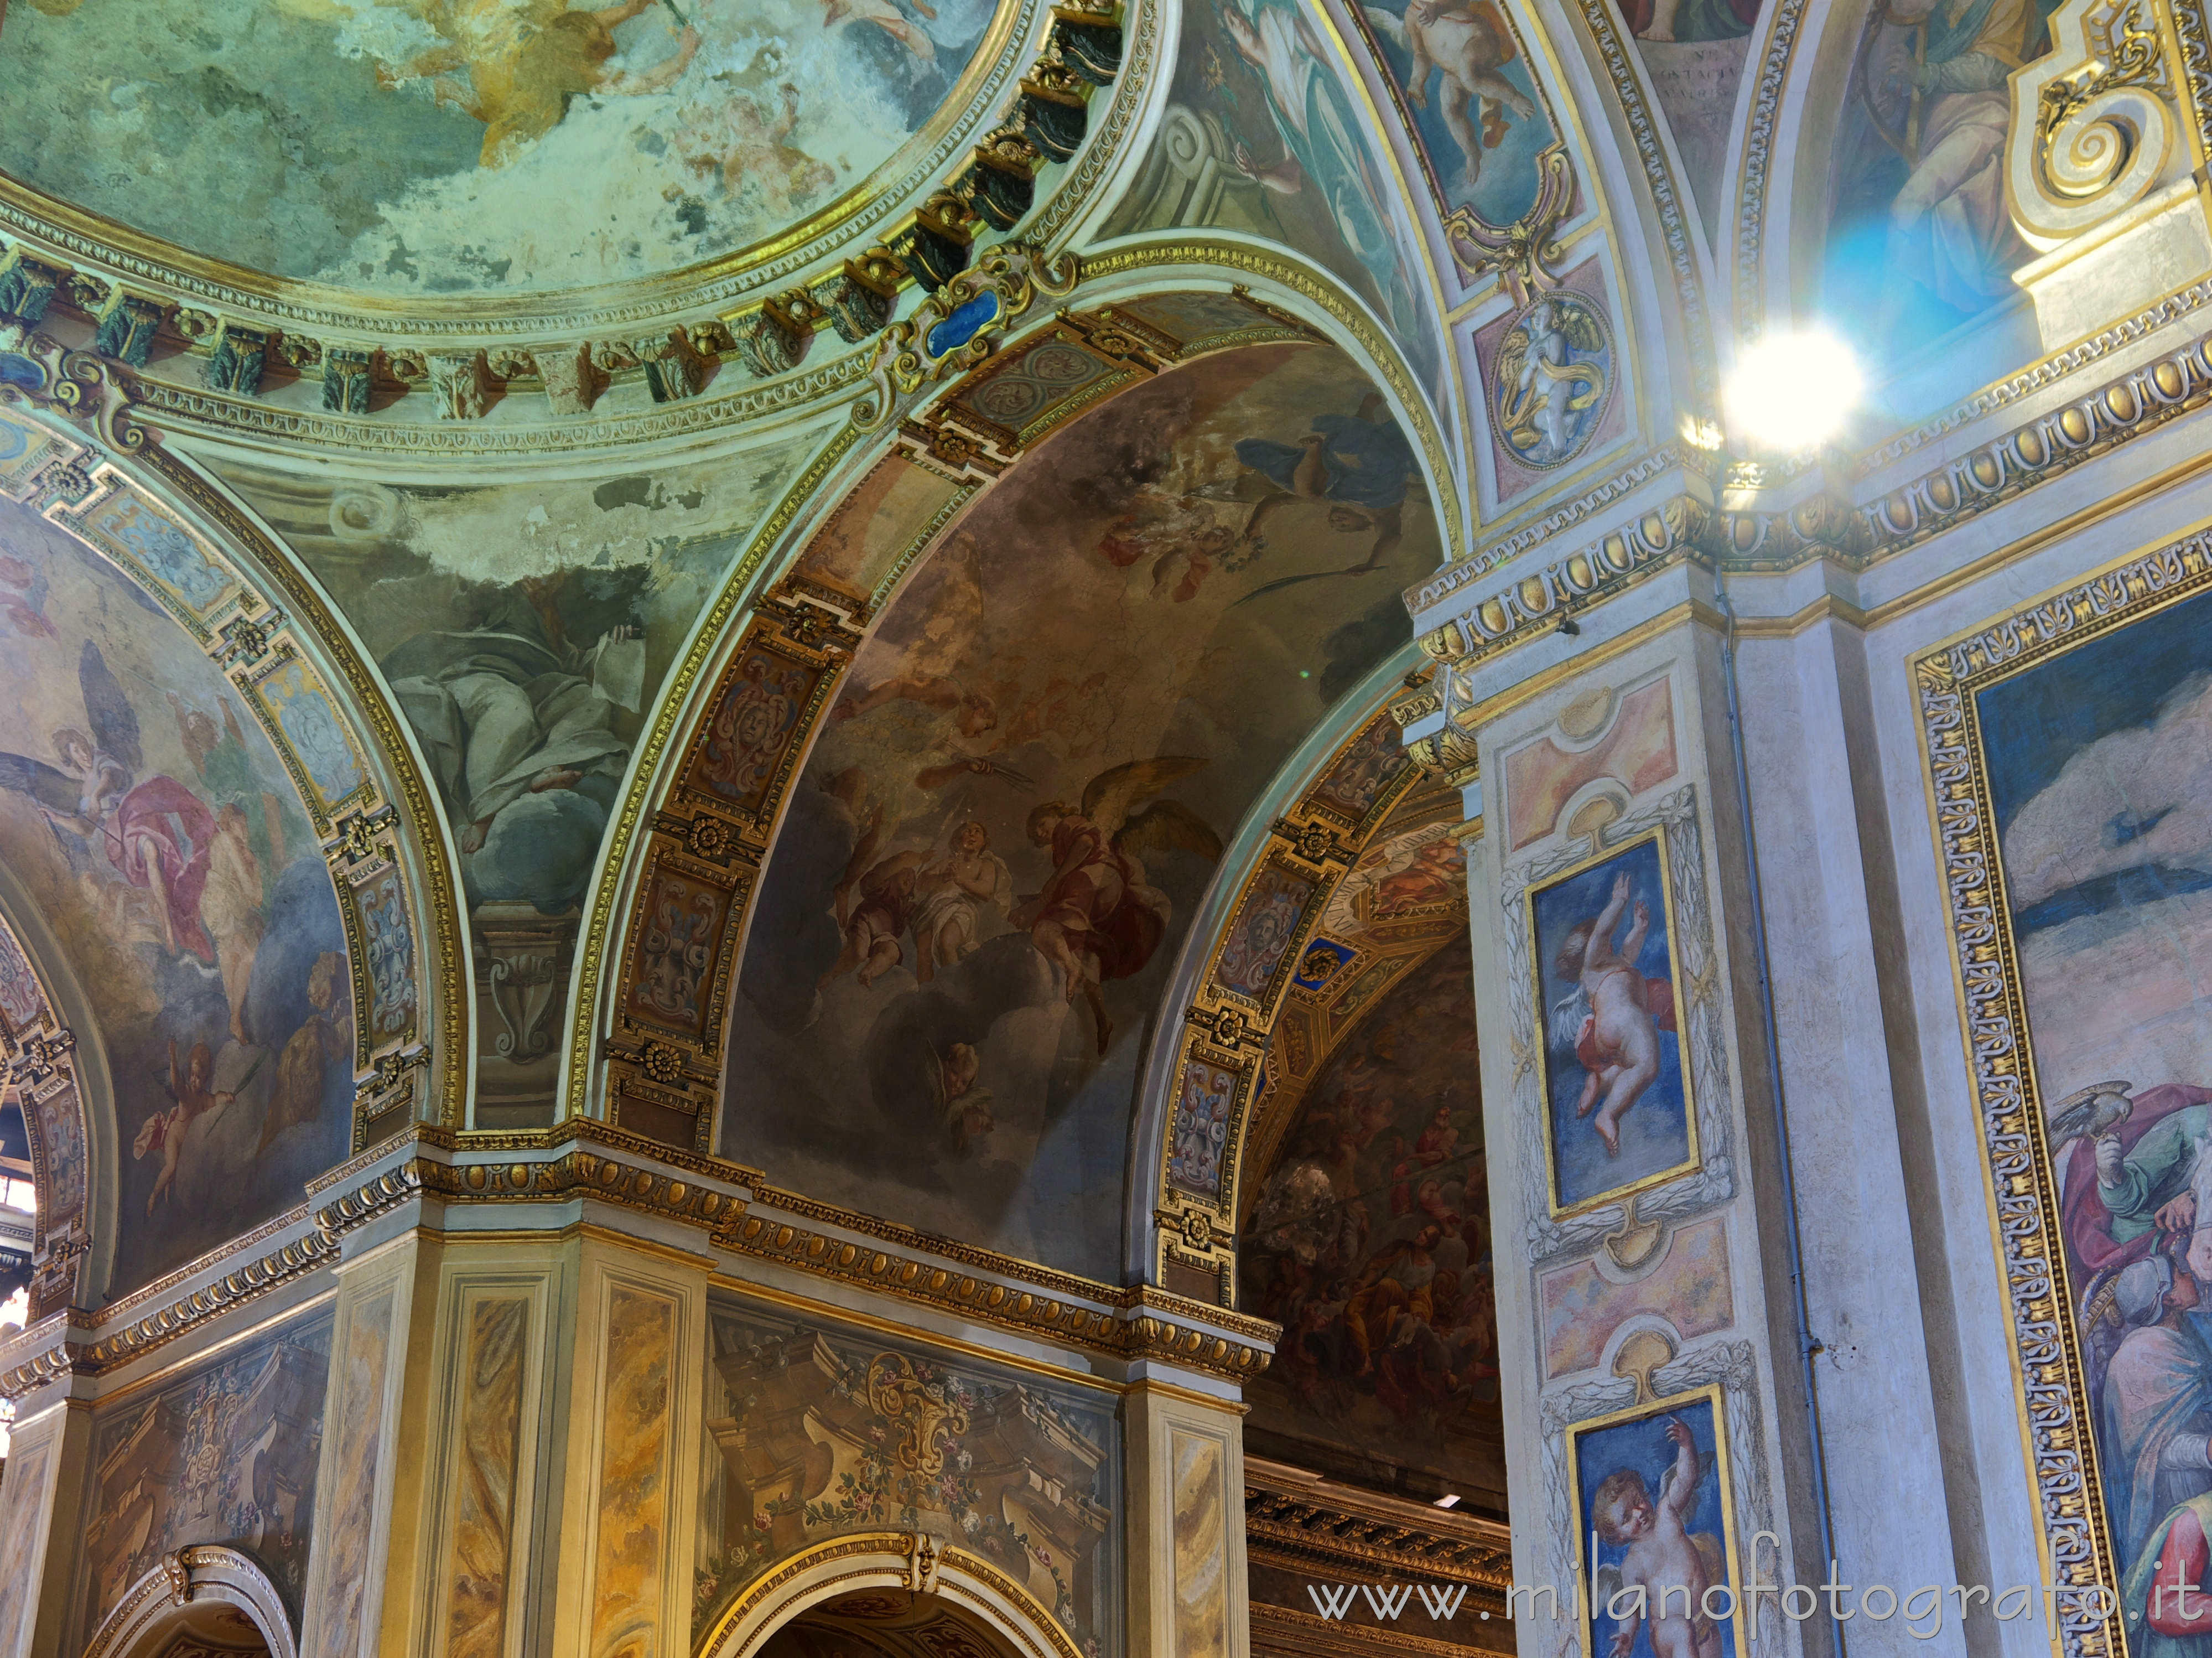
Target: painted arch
199	831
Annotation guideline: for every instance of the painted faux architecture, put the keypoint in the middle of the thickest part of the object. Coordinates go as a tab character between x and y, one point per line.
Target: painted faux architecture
1030	830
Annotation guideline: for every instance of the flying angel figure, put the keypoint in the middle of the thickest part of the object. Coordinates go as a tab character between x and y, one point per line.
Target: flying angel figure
1097	918
1550	393
97	765
157	834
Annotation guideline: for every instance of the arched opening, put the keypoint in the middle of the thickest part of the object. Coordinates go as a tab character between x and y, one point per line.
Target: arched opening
884	1624
196	1600
886	1595
941	1008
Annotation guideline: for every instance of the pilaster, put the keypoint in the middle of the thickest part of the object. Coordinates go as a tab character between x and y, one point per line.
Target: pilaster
369	1463
625	1534
1645	1281
41	1518
1185	1490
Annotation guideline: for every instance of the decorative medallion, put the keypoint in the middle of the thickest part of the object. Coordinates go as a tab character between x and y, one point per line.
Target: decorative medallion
1552	379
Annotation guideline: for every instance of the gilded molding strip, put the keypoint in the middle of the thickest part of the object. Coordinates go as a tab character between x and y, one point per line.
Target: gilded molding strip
1666	196
1230	1030
653	749
1750	218
2024	1206
926	1567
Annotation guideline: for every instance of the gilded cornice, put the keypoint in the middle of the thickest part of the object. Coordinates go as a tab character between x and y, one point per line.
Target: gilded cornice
1135	1323
2038	376
1546	600
736	1212
1314	1525
1561	516
186	408
1805	518
68	1343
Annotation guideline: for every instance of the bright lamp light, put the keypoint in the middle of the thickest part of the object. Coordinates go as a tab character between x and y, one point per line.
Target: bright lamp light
1791	393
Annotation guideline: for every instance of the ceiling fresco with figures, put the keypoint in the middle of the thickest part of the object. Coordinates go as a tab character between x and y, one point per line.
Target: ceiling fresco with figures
524	631
1369	1239
1026	784
147	818
1013	628
472	147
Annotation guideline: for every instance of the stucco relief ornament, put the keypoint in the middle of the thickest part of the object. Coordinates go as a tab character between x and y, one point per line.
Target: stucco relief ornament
2094	121
1522	252
1552	378
957	326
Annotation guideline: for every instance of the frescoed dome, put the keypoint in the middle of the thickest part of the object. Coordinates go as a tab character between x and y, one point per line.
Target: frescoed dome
484	147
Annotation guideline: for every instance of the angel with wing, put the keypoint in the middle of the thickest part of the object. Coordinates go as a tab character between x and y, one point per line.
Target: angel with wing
157	834
1547	386
1097	918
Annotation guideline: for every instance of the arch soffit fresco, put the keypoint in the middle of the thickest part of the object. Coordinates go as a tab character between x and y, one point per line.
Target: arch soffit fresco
274	641
669	1071
1299	946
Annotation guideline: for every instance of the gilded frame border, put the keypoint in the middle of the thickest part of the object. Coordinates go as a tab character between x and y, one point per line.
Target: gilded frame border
1657	834
1644	1410
2075	1541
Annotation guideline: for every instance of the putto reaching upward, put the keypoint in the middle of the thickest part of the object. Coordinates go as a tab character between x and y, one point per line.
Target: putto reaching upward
1621	1011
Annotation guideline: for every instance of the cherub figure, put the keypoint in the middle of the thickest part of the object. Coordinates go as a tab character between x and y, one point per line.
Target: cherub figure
1552	391
1468	42
1622	1012
1672	1565
164	1131
967	876
964	1109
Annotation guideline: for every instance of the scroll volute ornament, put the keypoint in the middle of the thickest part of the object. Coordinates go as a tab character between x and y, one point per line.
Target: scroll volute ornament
2094	120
